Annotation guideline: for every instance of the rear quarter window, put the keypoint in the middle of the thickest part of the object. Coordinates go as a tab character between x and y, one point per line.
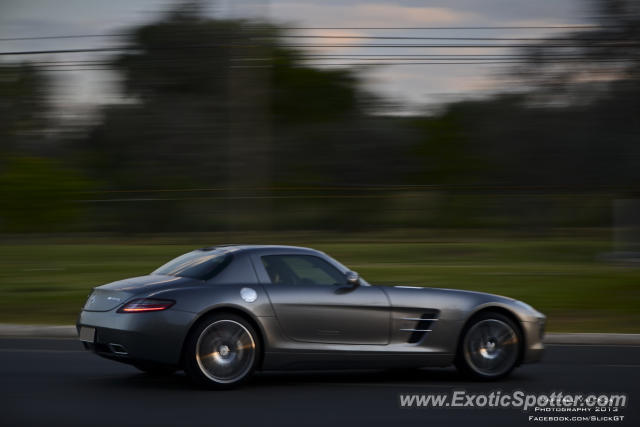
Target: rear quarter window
200	264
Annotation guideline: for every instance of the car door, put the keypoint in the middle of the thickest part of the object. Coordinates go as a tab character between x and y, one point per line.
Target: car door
313	301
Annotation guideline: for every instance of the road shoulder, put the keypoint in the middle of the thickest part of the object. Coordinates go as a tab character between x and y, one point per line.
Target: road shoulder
69	331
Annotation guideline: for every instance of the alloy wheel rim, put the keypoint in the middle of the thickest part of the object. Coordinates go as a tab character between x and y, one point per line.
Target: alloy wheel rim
491	347
225	351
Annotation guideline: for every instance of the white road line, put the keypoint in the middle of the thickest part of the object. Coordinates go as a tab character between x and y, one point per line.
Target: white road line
621	366
35	350
593	345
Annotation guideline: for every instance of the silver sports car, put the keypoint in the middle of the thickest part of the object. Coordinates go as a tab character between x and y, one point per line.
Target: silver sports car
223	312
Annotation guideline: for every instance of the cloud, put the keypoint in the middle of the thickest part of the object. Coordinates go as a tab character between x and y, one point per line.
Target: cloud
335	13
412	86
367	14
386	15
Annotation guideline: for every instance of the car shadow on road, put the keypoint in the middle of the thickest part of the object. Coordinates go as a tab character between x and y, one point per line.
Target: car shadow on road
389	378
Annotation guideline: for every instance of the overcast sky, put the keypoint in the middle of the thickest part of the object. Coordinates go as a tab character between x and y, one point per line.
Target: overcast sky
408	85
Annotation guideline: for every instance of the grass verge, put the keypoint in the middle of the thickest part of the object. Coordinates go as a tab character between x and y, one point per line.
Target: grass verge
48	283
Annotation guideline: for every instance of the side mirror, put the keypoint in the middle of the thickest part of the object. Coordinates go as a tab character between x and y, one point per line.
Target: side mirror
353	278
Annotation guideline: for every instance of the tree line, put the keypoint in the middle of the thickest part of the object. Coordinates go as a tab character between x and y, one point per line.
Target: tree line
224	127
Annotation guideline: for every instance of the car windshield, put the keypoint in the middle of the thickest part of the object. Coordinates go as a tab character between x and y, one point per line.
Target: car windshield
200	264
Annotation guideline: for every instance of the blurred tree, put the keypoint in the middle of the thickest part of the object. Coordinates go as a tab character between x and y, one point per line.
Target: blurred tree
39	195
573	128
23	106
220	104
580	119
304	94
582	64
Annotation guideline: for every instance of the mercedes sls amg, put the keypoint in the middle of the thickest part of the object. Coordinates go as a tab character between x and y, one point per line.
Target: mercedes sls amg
220	313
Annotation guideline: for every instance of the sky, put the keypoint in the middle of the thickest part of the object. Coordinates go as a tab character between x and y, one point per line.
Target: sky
407	86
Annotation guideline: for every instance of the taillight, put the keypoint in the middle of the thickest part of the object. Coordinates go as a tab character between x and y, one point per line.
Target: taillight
146	304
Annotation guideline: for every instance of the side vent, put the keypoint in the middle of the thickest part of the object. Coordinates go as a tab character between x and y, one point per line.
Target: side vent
422	326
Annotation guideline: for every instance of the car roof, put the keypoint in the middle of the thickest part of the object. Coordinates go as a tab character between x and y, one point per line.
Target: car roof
259	248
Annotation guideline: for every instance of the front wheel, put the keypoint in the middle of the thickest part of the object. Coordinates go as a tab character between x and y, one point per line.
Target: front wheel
222	351
489	347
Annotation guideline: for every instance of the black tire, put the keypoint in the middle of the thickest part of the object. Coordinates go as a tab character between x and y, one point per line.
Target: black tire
489	347
155	368
222	351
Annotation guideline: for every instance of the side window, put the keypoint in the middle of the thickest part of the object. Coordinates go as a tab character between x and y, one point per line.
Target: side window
301	270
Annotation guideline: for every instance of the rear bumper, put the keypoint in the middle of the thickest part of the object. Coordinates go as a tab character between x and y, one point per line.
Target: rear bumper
133	337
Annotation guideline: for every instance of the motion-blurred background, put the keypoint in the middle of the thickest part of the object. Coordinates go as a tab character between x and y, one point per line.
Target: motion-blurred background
488	145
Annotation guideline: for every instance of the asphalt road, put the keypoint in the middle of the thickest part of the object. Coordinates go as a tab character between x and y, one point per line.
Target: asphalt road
55	382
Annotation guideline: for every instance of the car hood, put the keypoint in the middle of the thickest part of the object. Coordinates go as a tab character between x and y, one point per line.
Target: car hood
109	296
467	300
477	293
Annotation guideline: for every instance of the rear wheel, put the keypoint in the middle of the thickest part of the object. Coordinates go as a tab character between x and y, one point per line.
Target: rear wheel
489	347
222	351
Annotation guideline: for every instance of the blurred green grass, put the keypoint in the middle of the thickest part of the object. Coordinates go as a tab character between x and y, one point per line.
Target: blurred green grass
48	283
